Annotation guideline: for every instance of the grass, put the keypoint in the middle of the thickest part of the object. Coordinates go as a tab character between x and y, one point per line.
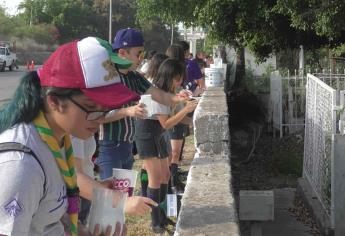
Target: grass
140	225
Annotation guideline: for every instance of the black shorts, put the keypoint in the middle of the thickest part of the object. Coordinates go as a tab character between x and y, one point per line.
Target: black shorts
149	139
166	135
179	131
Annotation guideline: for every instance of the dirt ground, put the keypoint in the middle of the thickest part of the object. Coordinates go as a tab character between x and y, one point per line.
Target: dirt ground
261	160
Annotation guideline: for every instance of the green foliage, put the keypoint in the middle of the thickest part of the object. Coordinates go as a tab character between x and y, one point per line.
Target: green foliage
263	26
170	12
209	43
42	34
59	21
287	163
325	18
256	84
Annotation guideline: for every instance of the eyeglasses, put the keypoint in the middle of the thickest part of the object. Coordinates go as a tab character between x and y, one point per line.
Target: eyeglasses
90	115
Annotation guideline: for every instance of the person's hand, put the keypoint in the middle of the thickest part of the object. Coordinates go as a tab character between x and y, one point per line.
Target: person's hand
184	93
198	91
139	206
191	105
137	111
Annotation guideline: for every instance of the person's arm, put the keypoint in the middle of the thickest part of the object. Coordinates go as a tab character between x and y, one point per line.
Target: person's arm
201	83
169	122
135	205
86	183
167	99
138	111
186	120
20	194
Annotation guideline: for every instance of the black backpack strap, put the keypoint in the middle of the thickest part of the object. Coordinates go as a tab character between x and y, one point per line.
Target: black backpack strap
18	147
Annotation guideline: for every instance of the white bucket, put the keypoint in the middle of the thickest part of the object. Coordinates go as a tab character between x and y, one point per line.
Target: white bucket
213	77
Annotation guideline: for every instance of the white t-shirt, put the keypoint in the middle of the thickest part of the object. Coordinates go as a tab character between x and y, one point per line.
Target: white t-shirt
158	109
23	211
84	150
144	68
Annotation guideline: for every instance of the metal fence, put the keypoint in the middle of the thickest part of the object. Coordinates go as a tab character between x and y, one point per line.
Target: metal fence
320	125
287	98
287	102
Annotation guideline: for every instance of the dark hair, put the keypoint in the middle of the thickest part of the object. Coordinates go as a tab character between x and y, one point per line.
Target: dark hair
184	45
175	51
201	63
149	55
168	70
155	62
28	100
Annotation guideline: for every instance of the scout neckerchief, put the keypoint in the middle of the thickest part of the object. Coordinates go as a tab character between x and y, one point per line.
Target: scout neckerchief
66	167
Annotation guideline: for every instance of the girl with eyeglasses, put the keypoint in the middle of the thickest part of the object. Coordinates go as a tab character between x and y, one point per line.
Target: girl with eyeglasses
68	95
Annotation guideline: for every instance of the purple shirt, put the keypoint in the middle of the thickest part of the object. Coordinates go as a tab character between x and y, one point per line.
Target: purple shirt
193	74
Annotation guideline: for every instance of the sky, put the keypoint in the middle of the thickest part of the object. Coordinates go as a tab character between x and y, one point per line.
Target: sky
10	6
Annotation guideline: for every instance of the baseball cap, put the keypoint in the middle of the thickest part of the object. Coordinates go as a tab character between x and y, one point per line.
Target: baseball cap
88	65
129	37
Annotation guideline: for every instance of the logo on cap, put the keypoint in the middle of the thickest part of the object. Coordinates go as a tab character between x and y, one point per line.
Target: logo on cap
108	66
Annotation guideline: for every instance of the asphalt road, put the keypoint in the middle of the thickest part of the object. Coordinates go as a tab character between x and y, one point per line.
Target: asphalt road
9	80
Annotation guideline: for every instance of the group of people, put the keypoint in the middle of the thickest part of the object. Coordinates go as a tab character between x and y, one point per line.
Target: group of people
47	132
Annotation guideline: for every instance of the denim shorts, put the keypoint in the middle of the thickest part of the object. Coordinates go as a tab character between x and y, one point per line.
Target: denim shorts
114	154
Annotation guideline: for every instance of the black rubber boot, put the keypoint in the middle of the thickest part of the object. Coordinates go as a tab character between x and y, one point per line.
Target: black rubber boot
153	194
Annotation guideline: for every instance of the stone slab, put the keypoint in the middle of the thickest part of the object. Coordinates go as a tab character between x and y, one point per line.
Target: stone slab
208	206
256	205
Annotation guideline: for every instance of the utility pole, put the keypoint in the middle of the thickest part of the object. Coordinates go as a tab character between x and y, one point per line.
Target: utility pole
110	19
30	15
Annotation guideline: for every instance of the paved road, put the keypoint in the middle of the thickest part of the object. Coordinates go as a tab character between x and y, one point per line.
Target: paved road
8	83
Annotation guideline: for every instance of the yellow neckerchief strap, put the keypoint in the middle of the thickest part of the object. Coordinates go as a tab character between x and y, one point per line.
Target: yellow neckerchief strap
66	167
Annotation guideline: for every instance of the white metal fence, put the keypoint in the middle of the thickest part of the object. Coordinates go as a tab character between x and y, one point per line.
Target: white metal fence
320	124
287	102
287	98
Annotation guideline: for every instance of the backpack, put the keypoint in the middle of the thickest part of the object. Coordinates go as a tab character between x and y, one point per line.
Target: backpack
18	147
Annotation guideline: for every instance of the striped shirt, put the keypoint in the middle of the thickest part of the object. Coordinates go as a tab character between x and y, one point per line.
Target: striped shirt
124	129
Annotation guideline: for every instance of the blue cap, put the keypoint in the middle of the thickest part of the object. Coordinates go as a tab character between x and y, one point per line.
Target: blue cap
127	38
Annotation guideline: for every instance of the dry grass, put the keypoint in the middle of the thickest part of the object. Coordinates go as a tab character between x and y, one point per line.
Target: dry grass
141	225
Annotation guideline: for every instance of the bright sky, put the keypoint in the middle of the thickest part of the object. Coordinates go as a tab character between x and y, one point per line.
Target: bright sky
10	6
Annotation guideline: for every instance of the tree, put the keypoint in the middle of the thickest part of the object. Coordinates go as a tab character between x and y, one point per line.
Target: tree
263	26
170	12
325	18
76	19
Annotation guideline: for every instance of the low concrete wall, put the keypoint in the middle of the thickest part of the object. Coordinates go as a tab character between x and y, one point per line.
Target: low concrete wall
208	205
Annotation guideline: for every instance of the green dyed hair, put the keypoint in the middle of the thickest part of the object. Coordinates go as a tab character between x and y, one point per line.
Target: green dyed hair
28	101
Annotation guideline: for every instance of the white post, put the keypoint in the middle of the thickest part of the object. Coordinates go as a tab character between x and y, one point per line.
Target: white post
110	19
301	58
338	191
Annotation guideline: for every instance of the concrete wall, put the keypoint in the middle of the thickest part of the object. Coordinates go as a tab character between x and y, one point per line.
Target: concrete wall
37	57
208	205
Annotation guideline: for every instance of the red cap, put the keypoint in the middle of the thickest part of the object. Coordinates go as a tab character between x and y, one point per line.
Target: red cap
86	65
